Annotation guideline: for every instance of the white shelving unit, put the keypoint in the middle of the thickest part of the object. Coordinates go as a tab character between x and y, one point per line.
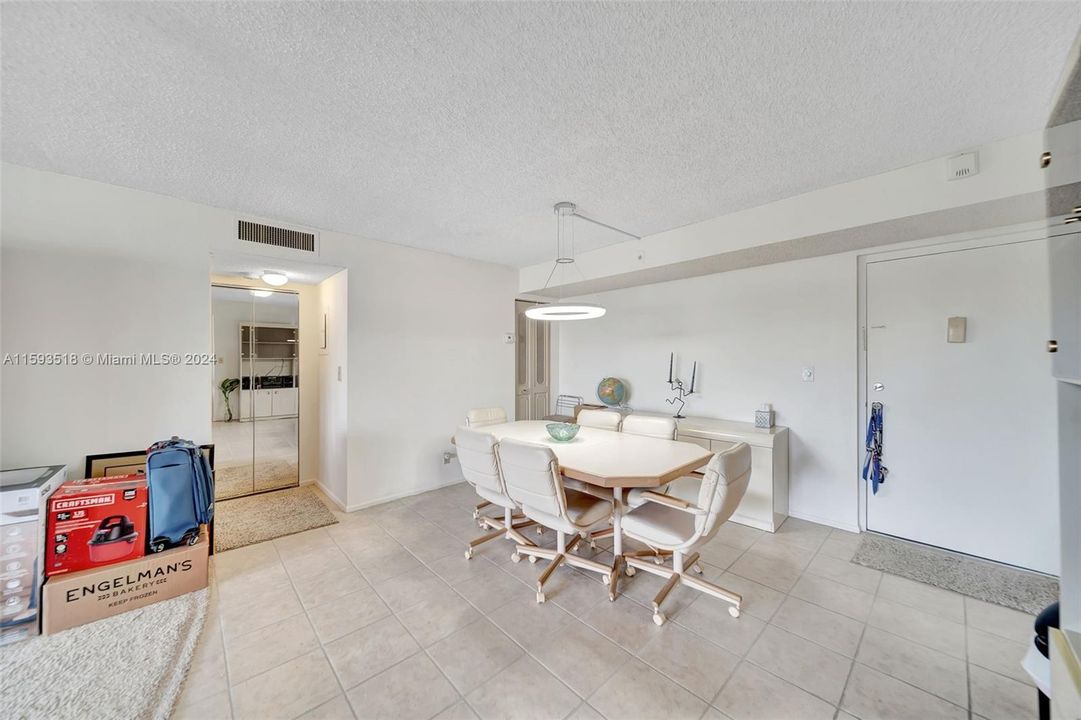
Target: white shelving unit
268	350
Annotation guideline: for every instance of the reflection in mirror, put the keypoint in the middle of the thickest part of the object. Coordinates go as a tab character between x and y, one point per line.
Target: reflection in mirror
255	390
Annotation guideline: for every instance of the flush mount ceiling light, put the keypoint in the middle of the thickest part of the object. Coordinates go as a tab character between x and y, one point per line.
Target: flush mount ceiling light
275	278
261	293
559	310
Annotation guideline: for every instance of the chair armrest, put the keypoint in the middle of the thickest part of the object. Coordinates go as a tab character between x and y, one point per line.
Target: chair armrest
672	502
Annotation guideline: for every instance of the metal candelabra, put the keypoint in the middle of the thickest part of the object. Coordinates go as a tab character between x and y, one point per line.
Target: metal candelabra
677	386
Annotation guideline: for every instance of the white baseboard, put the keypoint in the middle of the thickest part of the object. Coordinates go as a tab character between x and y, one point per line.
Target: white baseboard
399	496
330	496
855	528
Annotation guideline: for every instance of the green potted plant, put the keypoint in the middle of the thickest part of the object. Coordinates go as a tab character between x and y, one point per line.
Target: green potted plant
227	386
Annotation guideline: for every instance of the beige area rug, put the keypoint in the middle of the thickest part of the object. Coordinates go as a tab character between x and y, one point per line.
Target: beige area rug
128	666
232	481
253	519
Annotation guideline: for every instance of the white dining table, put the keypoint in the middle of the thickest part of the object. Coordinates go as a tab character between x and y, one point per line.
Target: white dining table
610	459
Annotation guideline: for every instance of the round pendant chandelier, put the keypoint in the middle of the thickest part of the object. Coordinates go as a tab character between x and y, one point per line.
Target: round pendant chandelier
565	311
559	310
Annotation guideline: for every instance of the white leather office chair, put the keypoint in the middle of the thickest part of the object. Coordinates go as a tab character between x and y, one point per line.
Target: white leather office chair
480	466
650	426
672	525
600	419
481	417
532	478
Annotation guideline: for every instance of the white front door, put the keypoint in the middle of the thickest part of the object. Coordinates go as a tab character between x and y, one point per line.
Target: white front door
970	437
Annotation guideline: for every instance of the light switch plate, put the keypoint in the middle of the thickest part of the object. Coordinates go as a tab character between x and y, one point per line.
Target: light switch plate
956	329
808	374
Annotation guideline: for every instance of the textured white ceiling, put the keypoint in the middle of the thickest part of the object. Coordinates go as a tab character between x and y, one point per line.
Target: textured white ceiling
455	127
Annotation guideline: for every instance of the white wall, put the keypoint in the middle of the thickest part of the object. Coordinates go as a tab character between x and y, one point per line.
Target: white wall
425	345
91	267
333	300
752	332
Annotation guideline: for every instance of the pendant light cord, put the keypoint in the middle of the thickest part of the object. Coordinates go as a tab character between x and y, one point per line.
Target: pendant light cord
561	238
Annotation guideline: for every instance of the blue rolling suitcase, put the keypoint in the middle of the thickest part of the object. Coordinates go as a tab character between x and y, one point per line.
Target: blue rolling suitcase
181	489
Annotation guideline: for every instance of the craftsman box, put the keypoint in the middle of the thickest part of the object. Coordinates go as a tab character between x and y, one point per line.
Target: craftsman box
81	597
95	522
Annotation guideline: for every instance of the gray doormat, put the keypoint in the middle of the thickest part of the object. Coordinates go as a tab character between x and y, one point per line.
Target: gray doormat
253	519
981	579
131	665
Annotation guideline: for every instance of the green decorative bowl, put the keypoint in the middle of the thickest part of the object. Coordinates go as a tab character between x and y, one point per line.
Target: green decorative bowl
562	432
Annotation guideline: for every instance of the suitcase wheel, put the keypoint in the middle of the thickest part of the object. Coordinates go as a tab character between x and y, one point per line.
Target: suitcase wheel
193	539
157	546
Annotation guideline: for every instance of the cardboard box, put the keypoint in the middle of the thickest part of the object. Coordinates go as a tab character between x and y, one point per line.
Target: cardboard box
80	597
95	522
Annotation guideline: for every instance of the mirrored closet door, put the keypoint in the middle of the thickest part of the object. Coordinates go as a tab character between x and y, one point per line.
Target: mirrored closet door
256	389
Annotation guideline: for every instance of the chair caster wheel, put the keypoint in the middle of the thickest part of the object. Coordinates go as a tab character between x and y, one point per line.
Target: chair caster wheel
540	597
630	571
469	554
532	559
611	597
733	611
540	530
697	568
592	545
516	558
658	560
659	618
476	514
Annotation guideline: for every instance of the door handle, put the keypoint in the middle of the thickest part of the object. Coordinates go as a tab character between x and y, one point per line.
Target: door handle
878	387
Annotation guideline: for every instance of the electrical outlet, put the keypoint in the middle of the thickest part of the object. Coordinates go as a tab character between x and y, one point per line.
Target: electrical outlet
808	374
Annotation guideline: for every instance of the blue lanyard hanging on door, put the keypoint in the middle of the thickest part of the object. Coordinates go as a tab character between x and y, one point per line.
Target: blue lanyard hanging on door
873	469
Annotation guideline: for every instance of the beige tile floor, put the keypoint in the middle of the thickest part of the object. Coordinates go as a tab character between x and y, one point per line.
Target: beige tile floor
381	616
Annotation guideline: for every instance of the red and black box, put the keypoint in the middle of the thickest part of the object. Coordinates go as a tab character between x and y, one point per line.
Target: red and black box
96	522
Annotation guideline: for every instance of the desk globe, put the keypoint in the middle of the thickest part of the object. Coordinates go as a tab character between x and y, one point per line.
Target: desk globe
612	391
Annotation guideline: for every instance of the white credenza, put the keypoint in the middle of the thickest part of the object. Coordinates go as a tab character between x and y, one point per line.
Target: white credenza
765	505
277	402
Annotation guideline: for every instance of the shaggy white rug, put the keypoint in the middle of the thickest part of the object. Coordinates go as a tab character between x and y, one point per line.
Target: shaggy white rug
131	665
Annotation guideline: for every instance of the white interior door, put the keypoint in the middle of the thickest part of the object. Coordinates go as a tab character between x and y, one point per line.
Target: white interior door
970	437
533	371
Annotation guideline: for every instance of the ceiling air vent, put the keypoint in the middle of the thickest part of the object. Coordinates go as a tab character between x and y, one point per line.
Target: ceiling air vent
275	236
